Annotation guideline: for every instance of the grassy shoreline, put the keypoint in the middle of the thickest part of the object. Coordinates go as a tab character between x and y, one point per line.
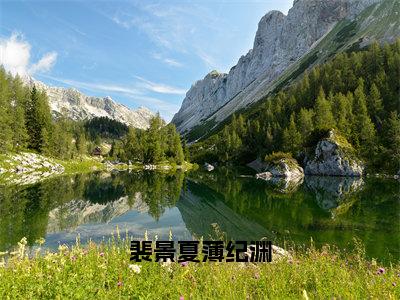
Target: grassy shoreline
103	271
30	167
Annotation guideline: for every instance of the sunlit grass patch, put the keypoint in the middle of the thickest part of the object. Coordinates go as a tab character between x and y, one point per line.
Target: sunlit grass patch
104	271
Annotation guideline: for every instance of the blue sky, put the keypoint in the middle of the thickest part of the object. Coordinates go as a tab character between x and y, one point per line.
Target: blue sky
141	53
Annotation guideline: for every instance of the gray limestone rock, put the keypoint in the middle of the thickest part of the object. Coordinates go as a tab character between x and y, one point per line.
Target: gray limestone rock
334	156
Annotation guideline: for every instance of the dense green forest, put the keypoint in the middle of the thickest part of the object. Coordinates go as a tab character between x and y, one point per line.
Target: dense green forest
105	128
356	93
159	143
27	124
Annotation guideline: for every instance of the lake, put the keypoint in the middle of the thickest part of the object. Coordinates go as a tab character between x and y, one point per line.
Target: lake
329	210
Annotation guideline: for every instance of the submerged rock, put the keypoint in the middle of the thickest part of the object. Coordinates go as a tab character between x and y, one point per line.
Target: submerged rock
284	172
334	156
284	167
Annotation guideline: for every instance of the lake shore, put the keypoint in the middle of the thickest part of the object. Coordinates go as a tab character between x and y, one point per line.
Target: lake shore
29	167
104	271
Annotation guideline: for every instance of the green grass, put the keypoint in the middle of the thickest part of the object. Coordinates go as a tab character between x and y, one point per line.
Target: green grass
83	165
102	271
274	157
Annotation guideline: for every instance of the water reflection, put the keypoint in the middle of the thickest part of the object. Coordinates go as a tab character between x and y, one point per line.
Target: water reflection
65	203
330	210
331	192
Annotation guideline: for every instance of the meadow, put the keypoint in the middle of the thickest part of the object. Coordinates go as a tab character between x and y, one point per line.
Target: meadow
104	271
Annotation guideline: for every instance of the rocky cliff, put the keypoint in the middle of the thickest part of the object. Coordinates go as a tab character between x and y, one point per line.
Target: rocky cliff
78	106
281	44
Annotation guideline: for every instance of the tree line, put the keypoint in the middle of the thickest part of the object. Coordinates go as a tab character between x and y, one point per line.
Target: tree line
27	124
159	143
356	93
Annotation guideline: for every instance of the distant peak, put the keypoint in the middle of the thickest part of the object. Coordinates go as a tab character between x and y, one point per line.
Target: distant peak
215	73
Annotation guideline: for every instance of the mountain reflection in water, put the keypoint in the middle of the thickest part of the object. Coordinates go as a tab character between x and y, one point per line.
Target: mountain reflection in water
329	209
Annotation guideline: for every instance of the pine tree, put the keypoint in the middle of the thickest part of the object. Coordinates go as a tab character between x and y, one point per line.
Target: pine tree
186	151
30	119
392	130
6	133
323	112
291	136
81	143
154	151
305	122
375	104
38	120
241	129
20	134
364	129
179	155
343	113
132	147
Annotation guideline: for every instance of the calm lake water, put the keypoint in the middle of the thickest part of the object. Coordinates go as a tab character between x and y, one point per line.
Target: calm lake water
328	210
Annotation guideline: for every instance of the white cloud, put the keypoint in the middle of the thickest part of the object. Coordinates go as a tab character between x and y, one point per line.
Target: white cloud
207	59
169	61
176	28
172	62
159	87
15	54
97	86
45	63
120	22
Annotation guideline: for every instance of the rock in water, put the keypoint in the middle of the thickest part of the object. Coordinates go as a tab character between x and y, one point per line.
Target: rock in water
283	167
286	167
334	156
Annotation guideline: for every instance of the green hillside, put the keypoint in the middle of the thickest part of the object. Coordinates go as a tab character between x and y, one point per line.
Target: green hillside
356	93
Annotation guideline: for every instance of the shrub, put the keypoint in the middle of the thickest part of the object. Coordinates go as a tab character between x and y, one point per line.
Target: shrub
275	156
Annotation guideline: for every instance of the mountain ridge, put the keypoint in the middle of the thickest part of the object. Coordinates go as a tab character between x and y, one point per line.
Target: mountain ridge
276	52
78	106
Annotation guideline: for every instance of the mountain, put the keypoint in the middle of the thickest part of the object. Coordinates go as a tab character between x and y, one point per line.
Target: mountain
78	106
284	47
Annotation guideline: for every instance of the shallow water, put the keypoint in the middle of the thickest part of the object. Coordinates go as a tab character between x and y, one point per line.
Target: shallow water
199	204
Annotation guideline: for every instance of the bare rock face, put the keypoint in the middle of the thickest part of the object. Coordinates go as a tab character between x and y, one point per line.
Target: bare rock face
334	156
78	106
280	42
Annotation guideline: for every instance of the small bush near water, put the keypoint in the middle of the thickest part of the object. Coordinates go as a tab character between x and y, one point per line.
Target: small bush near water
103	271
